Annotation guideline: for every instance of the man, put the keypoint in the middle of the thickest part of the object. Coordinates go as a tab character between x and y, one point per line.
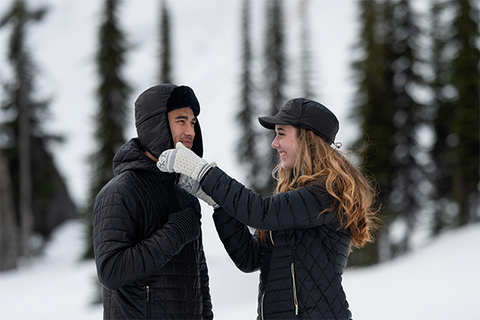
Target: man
147	237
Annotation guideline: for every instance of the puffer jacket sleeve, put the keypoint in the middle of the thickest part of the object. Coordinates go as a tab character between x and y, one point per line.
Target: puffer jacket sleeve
120	259
296	209
205	286
242	247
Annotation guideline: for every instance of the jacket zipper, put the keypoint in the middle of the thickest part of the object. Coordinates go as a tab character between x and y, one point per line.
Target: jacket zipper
147	290
263	295
295	299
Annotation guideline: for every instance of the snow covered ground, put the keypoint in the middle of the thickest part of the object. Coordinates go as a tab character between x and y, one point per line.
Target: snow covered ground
437	282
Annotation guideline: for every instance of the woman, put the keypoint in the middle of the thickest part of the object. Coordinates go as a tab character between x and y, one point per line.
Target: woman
323	207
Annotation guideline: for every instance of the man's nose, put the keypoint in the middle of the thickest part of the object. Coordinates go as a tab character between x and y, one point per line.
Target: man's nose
190	131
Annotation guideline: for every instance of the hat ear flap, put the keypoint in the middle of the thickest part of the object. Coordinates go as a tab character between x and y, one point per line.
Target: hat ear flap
197	146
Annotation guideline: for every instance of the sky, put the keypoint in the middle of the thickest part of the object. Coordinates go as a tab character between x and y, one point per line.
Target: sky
436	281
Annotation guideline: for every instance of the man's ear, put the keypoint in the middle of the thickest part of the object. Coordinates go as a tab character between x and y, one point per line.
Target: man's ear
311	135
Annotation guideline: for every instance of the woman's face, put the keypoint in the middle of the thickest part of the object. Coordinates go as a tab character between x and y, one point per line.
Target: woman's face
287	144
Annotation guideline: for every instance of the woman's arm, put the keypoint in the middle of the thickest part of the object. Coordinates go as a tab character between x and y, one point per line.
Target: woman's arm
242	247
295	209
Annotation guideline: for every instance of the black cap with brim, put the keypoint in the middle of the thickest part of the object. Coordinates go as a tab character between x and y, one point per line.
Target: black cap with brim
305	113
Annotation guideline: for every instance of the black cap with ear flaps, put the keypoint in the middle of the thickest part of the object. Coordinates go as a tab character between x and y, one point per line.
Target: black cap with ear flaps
307	114
183	97
151	117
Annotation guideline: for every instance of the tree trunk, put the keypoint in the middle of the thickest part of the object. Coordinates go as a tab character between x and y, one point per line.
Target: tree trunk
8	227
25	205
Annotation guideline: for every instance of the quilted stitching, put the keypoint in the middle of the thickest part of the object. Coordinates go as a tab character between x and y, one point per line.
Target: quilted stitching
135	248
316	247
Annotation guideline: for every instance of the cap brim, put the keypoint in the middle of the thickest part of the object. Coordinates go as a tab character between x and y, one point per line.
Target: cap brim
270	122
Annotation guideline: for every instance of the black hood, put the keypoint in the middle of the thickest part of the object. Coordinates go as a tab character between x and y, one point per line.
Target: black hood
151	117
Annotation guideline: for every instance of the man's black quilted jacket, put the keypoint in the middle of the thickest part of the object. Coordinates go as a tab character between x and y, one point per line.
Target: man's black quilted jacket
146	271
301	263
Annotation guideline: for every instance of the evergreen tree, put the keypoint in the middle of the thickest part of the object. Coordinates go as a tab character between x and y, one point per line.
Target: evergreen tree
442	111
275	81
464	129
391	116
402	50
112	93
165	52
40	196
305	56
247	153
374	111
20	16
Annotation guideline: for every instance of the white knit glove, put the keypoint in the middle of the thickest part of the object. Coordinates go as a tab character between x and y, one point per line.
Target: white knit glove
192	186
184	161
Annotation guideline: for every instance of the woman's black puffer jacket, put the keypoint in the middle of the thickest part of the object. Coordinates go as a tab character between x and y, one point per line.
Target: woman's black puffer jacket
146	271
303	259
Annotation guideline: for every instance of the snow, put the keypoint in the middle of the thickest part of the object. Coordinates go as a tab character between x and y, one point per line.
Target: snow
438	280
55	286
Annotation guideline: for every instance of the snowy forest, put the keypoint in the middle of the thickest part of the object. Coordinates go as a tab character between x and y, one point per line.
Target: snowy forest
415	102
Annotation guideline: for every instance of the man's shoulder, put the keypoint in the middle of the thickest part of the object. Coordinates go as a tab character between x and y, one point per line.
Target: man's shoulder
124	183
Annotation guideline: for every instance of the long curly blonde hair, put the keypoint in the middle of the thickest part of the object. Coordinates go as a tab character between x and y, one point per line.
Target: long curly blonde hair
352	192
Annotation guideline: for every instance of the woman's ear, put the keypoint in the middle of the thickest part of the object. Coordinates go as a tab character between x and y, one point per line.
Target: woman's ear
311	135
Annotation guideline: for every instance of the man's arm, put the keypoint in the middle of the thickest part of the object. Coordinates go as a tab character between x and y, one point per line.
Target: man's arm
120	260
205	285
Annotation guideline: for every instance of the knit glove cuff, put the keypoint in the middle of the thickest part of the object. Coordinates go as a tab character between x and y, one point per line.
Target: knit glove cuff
187	222
192	186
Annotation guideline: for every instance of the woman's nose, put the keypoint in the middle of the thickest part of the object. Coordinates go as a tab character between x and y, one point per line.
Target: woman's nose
274	143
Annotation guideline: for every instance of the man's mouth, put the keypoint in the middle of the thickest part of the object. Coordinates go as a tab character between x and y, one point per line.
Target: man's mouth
187	143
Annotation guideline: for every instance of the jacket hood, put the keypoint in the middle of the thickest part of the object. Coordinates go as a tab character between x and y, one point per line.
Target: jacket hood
130	157
151	117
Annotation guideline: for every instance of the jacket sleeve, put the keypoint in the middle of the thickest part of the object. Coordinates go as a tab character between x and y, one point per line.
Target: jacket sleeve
205	285
120	258
296	209
242	247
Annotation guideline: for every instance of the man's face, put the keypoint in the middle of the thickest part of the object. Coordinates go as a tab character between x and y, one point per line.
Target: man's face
182	122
